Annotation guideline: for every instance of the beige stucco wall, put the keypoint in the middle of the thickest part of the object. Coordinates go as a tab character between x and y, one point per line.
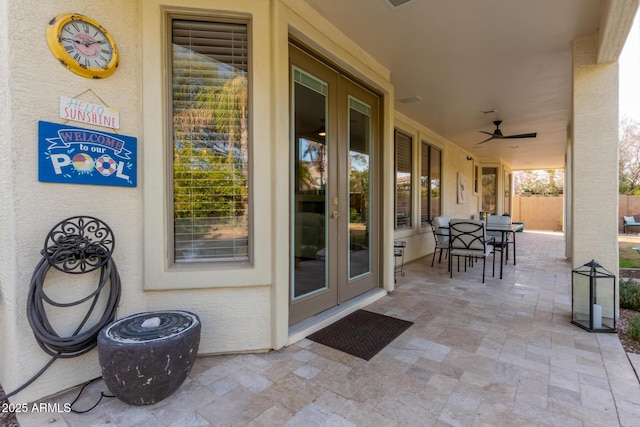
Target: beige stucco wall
219	295
7	273
420	239
242	308
539	213
595	136
234	306
30	209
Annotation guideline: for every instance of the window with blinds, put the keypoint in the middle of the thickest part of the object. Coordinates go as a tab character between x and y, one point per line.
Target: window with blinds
435	183
210	138
430	205
403	161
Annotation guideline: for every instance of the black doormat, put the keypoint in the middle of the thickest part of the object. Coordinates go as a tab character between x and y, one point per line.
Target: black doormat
362	333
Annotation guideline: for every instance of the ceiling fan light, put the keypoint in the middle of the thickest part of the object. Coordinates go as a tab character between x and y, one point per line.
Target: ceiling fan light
321	131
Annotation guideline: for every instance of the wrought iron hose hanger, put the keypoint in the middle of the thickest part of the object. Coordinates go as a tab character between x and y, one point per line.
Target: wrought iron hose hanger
76	245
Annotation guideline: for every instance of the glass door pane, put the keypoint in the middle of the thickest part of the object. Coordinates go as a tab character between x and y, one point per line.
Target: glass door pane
359	187
489	189
507	193
310	185
334	244
435	159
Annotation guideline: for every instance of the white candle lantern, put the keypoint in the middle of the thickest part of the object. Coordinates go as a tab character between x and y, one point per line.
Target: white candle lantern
593	303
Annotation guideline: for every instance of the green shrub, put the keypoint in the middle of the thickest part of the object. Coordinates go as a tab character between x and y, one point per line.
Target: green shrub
629	294
633	329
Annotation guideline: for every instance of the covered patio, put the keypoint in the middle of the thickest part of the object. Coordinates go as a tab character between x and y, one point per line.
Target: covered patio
499	353
434	81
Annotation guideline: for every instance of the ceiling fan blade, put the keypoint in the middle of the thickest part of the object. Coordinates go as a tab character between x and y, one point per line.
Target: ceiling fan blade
488	139
497	134
522	135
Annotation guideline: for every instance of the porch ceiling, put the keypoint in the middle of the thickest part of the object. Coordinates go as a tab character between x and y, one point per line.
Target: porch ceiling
465	57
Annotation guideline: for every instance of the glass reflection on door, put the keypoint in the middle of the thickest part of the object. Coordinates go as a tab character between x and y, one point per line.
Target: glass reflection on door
310	185
489	189
359	188
507	193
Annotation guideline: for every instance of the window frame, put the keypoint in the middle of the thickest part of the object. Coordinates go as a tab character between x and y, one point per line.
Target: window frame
496	194
428	147
507	191
170	16
411	138
158	273
477	184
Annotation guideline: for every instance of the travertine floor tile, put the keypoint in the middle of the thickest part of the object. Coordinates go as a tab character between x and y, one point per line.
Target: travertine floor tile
502	353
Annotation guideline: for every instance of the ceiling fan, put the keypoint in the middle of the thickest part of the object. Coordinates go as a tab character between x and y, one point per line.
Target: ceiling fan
497	134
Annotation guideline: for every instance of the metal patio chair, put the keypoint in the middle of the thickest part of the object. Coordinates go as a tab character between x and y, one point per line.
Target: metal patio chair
467	238
440	229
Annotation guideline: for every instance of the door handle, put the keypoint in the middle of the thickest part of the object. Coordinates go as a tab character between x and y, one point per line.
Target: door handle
335	215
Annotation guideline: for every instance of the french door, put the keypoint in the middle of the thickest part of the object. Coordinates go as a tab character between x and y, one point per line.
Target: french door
334	221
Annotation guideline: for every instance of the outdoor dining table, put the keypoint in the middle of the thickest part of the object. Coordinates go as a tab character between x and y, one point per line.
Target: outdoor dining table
505	230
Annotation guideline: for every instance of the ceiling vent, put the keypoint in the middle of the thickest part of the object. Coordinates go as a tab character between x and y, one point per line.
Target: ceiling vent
396	3
411	99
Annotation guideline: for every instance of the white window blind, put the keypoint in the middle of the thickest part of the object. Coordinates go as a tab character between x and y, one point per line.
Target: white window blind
209	78
425	183
435	183
430	204
403	148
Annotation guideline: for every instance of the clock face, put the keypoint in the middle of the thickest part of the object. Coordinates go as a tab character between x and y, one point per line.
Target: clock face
86	43
82	45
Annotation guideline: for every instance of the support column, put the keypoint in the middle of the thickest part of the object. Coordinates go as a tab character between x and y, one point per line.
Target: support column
594	161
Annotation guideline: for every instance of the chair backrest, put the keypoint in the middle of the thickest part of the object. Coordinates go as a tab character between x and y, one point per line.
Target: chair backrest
441	234
467	234
499	219
434	229
442	221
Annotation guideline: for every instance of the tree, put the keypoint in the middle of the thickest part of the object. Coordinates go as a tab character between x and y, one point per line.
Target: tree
210	124
549	182
629	157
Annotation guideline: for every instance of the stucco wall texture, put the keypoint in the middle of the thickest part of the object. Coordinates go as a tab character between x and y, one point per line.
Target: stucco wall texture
419	240
595	134
233	319
539	213
31	208
249	314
